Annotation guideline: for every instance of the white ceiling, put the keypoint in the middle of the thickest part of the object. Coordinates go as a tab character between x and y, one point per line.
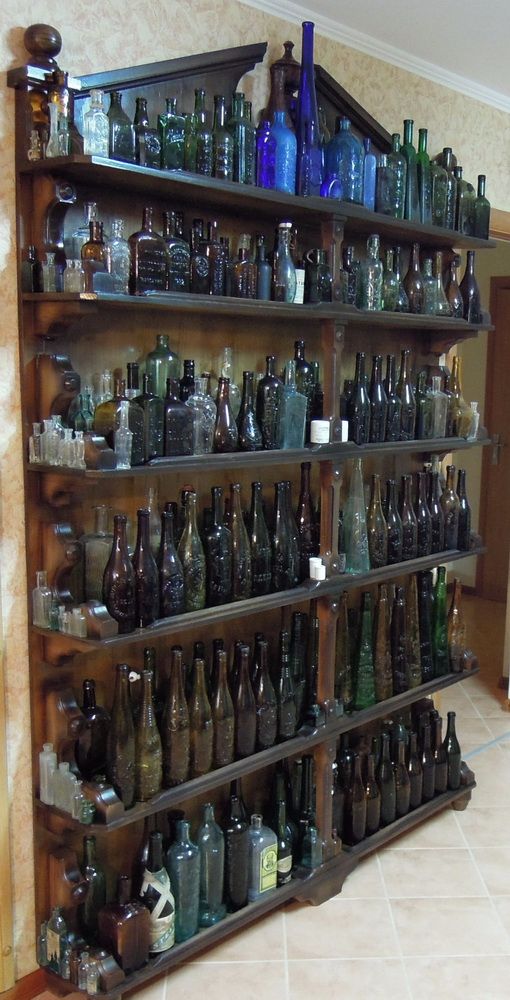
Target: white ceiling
462	44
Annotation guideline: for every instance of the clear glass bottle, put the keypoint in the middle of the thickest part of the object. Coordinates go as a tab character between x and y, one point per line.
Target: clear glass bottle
355	524
96	552
262	859
439	191
201	723
249	433
117	249
394	405
284	271
218	553
408	518
372	276
390	285
177	423
192	557
204	418
96	128
413	281
241	552
260	544
407	399
175	727
439	408
41	601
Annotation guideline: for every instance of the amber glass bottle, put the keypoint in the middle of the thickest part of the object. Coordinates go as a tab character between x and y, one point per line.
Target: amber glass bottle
148	751
175	727
119	579
223	716
146	574
245	708
120	752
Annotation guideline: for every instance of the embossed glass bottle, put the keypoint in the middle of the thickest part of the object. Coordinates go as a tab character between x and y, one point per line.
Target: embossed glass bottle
358	406
192	557
268	405
260	544
372	276
175	727
423	518
265	702
451	507
170	572
286	700
249	433
148	751
408	518
394	405
407	399
149	258
225	431
378	402
355	524
119	579
376	527
309	152
218	554
241	551
393	523
424	178
383	675
223	716
440	625
146	574
201	723
244	707
413	281
364	695
120	753
121	140
344	158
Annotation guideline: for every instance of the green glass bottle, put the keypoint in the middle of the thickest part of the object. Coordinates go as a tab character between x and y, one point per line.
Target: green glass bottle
171	132
343	661
241	551
425	622
218	554
372	797
440	758
245	707
451	187
298	659
386	782
453	753
402	781
175	727
376	527
364	663
383	675
192	557
424	178
148	750
393	523
201	723
223	716
414	771
450	505
399	642
240	131
96	891
428	765
405	393
414	678
409	522
466	198
412	200
355	808
120	752
260	544
439	187
390	285
265	701
223	142
481	211
285	692
440	625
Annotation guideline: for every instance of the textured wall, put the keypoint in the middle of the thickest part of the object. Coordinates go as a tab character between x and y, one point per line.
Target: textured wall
98	36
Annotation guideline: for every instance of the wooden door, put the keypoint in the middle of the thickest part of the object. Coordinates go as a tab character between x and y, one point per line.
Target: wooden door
492	572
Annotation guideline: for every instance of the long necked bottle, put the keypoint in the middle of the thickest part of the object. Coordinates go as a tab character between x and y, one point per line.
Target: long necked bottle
383	674
343	662
402	782
414	770
390	286
225	431
305	379
241	552
148	750
424	178
355	808
249	433
358	406
424	408
407	398
218	554
425	623
464	532
156	895
376	527
96	887
146	574
453	753
284	271
409	522
201	723
413	281
372	798
183	864
399	645
392	181
402	300
170	571
452	290
119	579
90	748
120	750
211	846
364	660
439	193
153	409
237	843
285	691
309	152
457	639
436	514
460	414
440	625
378	402
412	199
394	406
414	675
192	557
245	708
260	544
305	521
223	716
481	211
298	651
265	701
423	517
450	506
175	727
268	404
107	419
428	765
386	782
262	859
223	142
285	554
440	758
284	845
357	558
470	291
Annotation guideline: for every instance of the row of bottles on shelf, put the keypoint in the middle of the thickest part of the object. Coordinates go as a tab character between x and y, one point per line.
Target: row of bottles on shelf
402	769
291	150
204	717
394	410
180	885
410	640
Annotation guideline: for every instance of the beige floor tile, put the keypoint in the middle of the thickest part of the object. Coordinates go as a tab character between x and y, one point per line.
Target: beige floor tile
227	981
459	978
456	700
341	928
440	830
499	727
430	873
260	941
473	731
449	927
485	827
348	980
489	708
491	768
364	882
502	904
494	866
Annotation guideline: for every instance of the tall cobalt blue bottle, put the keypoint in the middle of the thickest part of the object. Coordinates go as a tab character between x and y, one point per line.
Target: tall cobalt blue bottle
286	150
309	153
266	156
344	157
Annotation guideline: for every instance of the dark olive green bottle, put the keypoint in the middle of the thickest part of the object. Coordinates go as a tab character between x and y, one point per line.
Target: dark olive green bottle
399	643
373	798
428	766
440	758
402	781
425	620
386	782
440	625
423	517
378	402
453	753
436	514
96	888
383	674
415	773
285	692
407	398
450	506
265	701
409	523
355	808
393	523
364	662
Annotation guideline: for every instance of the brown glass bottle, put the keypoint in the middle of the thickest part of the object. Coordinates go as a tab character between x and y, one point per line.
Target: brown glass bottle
124	928
148	269
413	282
119	579
223	716
377	528
120	752
90	749
148	751
226	436
170	572
192	557
201	723
450	506
175	727
265	700
249	433
260	545
245	708
146	574
94	256
241	551
107	419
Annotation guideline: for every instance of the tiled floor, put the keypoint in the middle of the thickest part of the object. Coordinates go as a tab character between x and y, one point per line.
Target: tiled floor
428	916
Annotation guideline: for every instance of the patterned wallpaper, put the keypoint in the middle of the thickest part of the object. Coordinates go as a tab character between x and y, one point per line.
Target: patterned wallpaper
99	36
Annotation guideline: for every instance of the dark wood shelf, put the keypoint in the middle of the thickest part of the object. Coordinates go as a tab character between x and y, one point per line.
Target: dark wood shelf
194	190
303	742
266	459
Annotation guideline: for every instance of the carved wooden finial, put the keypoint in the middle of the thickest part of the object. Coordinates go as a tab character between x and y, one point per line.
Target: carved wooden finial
43	42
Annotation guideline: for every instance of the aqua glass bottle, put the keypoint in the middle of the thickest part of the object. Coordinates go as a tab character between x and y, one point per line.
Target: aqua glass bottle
284	271
440	625
292	416
183	864
369	175
262	859
364	690
211	846
372	276
344	156
429	289
223	143
395	195
355	524
412	201
162	363
285	154
439	192
309	151
424	178
171	132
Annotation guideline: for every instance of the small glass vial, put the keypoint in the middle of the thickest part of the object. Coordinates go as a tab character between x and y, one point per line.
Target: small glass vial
475	422
83	969
78	460
47	768
49	273
77	801
96	127
41	600
34	445
123	437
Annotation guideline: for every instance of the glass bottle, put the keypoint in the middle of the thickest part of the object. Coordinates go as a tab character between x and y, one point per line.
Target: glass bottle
309	152
56	939
119	579
409	523
285	692
94	256
376	527
344	162
371	276
451	188
265	701
358	406
178	250
364	695
96	131
146	574
201	723
211	846
293	411
203	408
305	521
390	284
245	708
153	410
450	505
286	560
241	552
156	894
148	751
402	300
439	193
90	748
170	572
192	557
355	808
383	675
452	290
284	271
223	142
117	249
395	196
428	766
47	769
249	433
260	544
175	727
414	770
413	282
414	674
41	600
95	898
443	307
453	753
372	798
481	211
402	782
223	716
266	155
284	844
407	399
412	199
225	431
394	405
121	136
355	524
74	242
436	514
218	555
470	292
149	259
42	945
424	408
161	364
440	758
369	175
124	928
305	379
425	624
177	423
147	139
424	179
440	625
423	518
465	204
351	268
386	782
264	271
237	126
464	532
439	408
430	302
107	423
171	134
268	405
203	136
262	859
343	662
285	153
183	864
237	844
120	754
399	645
378	402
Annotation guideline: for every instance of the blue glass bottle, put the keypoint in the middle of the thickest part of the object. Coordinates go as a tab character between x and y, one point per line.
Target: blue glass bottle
309	152
369	175
266	156
344	157
211	845
183	864
292	420
286	153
